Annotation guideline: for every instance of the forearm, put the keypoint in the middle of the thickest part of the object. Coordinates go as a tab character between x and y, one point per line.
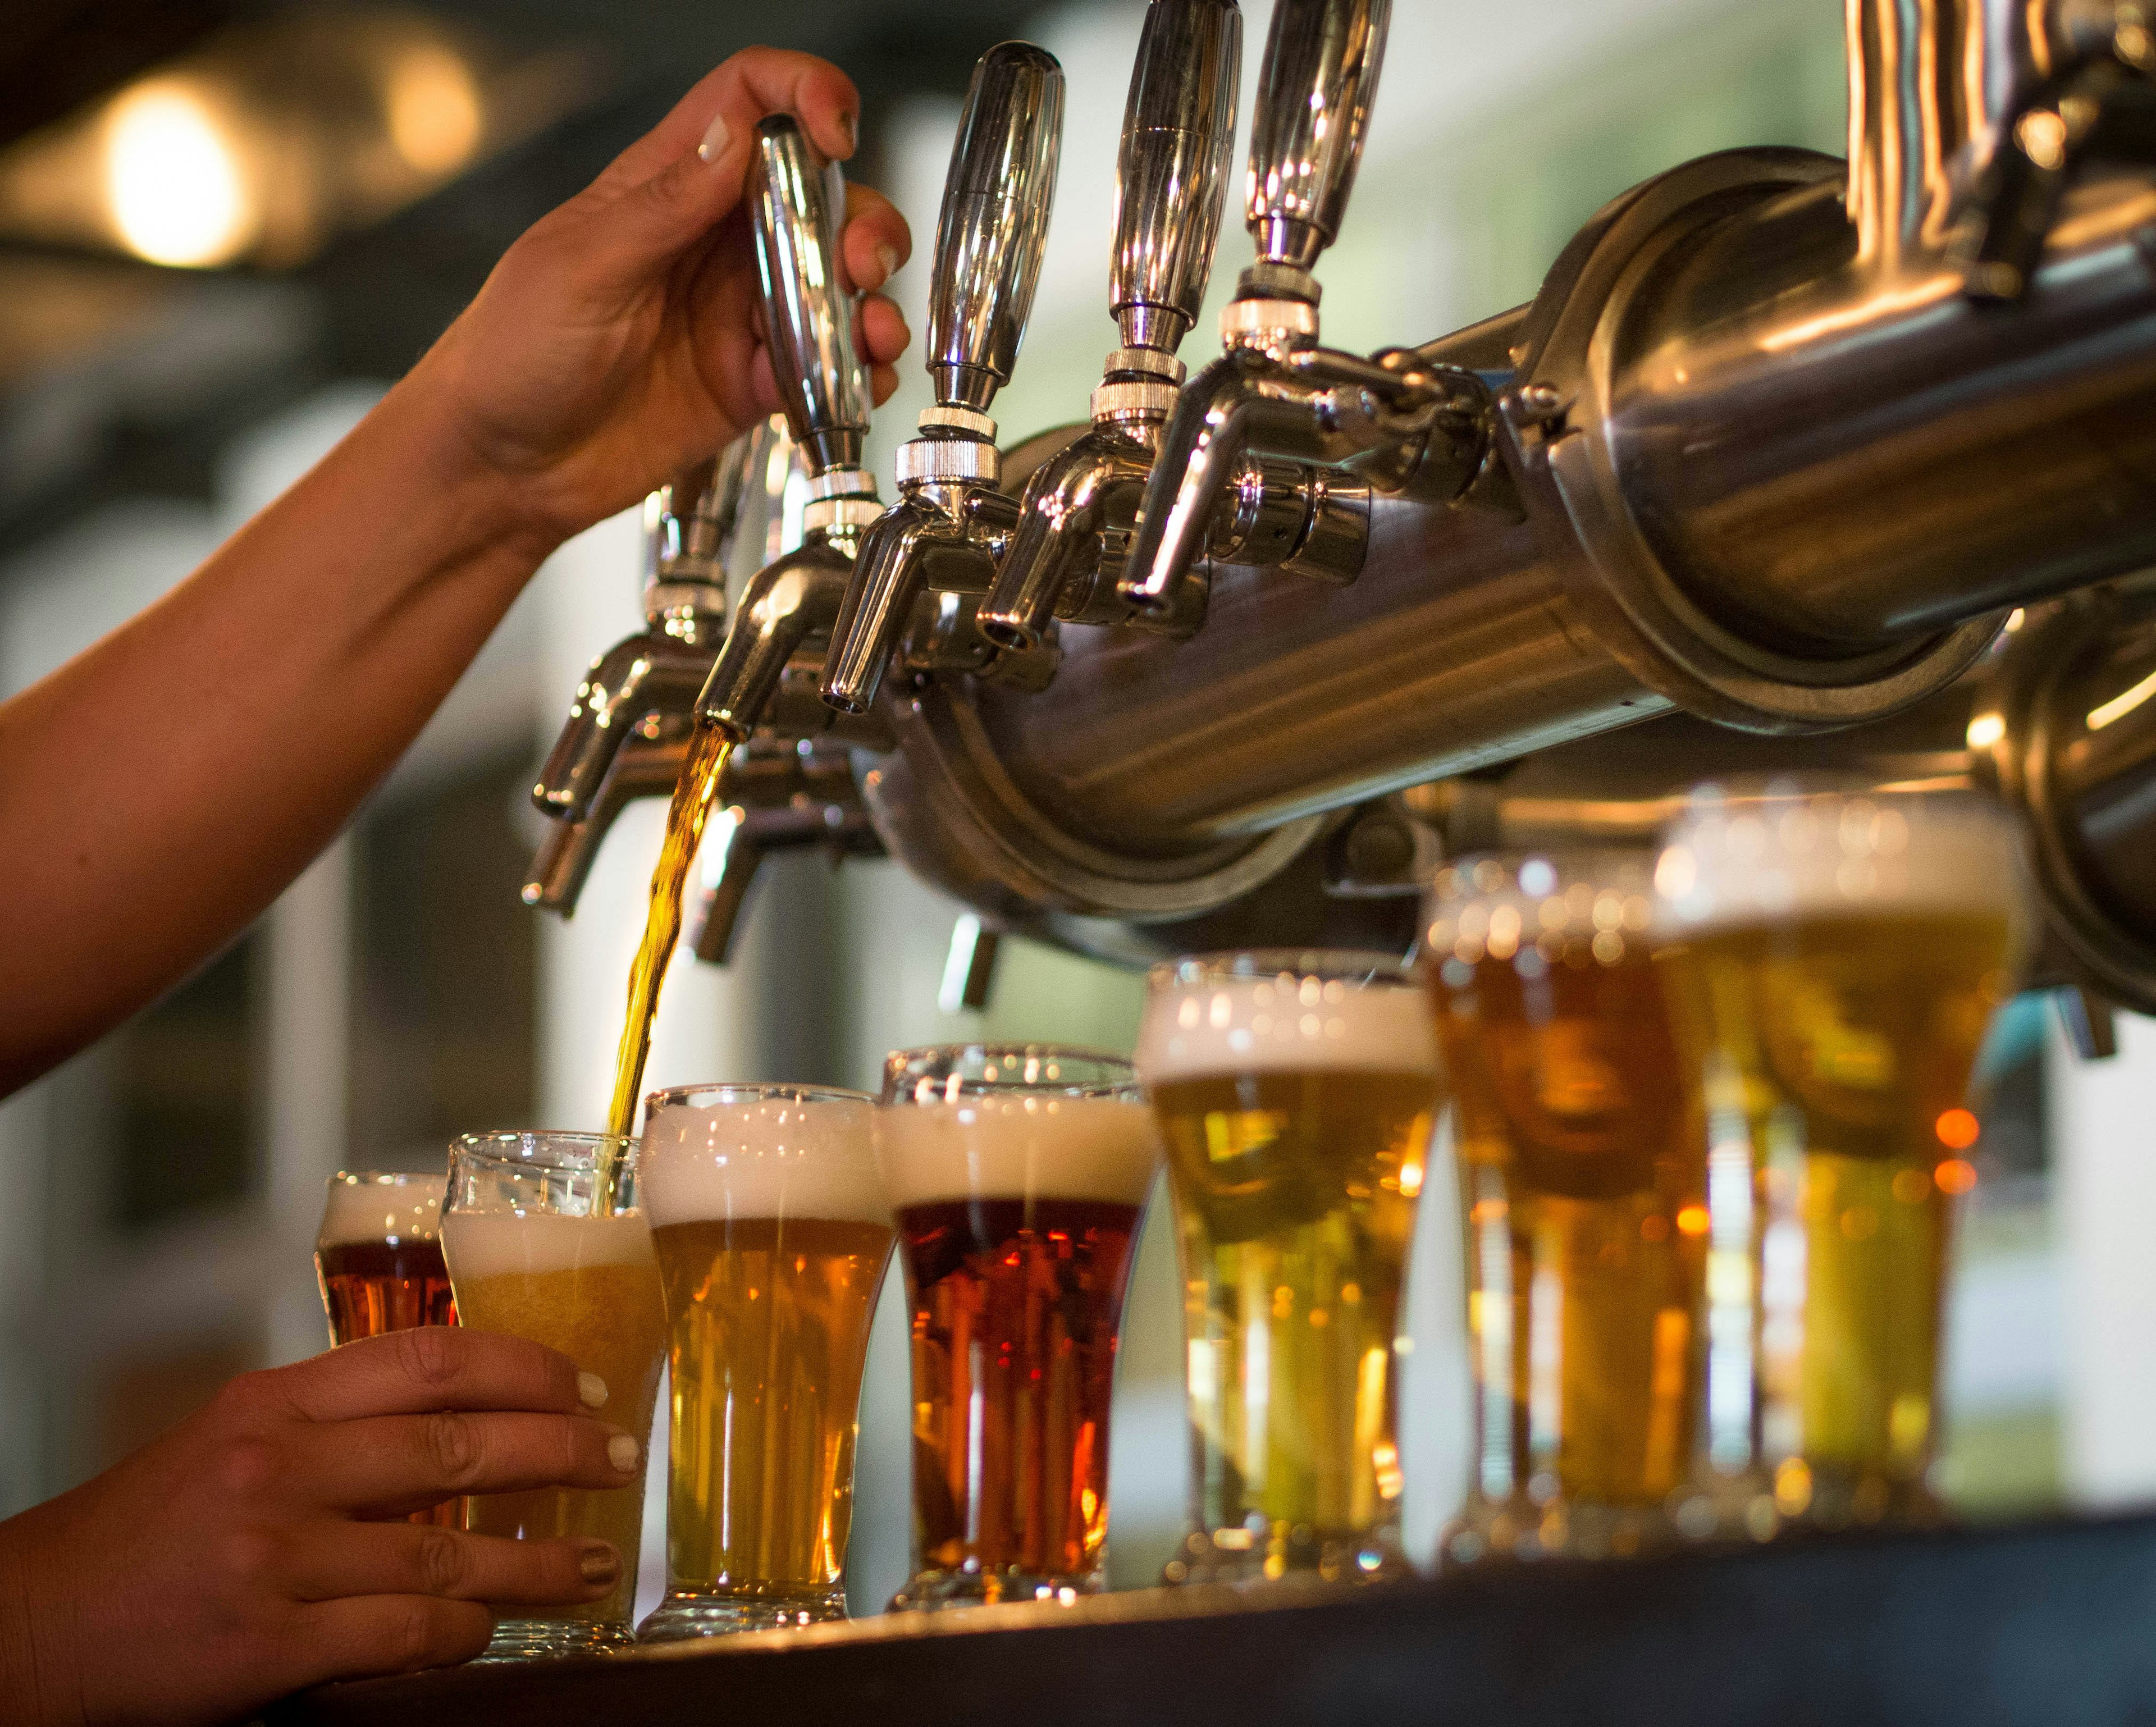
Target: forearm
159	790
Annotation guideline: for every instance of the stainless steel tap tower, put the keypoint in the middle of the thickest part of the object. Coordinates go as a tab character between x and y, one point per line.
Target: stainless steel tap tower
1791	459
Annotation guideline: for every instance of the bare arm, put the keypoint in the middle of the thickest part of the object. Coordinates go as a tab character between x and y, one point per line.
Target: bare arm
159	790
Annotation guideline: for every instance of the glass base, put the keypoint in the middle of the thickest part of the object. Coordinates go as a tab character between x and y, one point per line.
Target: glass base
1520	1529
1260	1554
537	1639
688	1613
1795	1497
930	1591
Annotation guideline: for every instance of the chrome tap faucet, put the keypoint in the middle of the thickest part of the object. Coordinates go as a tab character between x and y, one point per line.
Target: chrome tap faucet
1171	177
951	525
1397	421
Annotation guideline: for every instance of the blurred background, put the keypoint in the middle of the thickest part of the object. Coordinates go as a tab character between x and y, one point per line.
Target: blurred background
226	227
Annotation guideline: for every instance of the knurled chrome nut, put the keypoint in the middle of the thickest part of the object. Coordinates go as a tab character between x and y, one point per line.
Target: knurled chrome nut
1142	400
932	458
1291	281
839	512
1247	321
945	417
842	483
1145	359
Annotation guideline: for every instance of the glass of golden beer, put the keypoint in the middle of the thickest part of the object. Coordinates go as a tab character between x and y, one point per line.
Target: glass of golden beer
378	1260
1295	1092
1831	960
546	1239
1018	1173
771	1232
1582	1202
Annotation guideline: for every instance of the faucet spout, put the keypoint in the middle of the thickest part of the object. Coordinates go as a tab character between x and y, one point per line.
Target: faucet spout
1092	487
785	604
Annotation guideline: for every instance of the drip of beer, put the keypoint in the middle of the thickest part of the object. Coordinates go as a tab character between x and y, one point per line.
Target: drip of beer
685	816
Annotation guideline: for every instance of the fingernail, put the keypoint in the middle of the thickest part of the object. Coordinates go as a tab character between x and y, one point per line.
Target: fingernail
591	1390
600	1563
851	124
622	1451
716	137
887	256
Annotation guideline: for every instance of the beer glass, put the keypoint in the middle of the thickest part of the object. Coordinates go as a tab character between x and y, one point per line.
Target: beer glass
1832	957
1018	1173
546	1239
772	1233
379	1261
1582	1188
1295	1092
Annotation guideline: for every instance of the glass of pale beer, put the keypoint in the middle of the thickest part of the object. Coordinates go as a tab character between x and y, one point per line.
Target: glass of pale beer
1582	1181
1018	1173
1295	1092
772	1231
1831	958
546	1239
379	1261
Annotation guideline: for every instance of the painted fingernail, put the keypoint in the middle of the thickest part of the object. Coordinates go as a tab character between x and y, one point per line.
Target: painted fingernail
599	1563
591	1390
622	1451
887	256
717	135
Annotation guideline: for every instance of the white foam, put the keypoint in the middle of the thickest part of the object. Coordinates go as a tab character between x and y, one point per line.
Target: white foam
1239	1025
1019	1146
494	1244
1733	861
373	1208
765	1157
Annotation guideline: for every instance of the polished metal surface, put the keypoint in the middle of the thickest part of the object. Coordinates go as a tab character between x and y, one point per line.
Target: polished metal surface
799	205
1321	71
1171	172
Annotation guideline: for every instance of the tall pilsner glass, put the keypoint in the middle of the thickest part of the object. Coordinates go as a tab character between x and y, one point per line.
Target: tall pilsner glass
546	1239
378	1260
1295	1092
1832	959
1583	1201
773	1235
1019	1173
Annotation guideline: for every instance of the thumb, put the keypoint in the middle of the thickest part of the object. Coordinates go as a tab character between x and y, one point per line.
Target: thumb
651	223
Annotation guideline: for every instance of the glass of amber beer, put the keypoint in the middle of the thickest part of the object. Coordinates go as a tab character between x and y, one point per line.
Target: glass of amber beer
1583	1201
1295	1092
546	1239
772	1233
1018	1173
378	1260
1831	958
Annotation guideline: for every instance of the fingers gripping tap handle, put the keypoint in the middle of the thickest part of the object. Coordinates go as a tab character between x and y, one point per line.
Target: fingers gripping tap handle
1171	175
800	205
994	223
1314	93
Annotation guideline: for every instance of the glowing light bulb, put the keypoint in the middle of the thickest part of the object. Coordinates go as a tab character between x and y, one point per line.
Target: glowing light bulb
173	181
433	111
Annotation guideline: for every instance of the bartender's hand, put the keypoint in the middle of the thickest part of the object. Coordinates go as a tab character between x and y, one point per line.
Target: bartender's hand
618	339
242	1555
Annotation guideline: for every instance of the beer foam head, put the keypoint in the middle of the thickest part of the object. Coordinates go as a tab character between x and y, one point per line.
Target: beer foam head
1783	852
1202	1021
994	1143
1590	902
760	1152
375	1207
494	1244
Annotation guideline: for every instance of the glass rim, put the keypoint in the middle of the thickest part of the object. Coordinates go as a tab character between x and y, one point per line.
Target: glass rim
383	1178
895	1064
507	1149
1365	967
728	1091
1573	863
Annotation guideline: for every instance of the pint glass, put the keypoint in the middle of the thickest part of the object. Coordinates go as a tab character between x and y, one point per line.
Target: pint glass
1018	1173
378	1260
1582	1203
772	1233
1295	1093
1832	959
546	1240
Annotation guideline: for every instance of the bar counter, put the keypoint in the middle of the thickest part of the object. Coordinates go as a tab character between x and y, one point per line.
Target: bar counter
2051	1623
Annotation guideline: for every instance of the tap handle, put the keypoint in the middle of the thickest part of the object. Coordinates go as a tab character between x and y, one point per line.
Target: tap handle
800	207
1171	175
1314	91
994	221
